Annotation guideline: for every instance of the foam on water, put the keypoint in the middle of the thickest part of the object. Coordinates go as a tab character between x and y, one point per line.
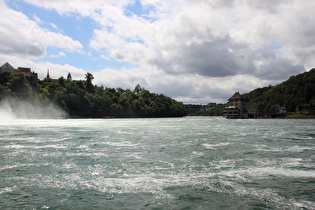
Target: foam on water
139	163
213	146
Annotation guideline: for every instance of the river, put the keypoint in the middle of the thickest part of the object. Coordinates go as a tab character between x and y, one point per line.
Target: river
163	163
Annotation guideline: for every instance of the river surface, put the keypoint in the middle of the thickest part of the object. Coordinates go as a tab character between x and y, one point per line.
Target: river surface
167	163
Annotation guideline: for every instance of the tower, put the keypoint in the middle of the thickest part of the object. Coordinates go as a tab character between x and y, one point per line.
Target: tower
48	76
69	78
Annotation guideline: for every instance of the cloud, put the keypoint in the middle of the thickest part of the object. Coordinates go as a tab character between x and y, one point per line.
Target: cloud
103	40
53	26
104	57
24	37
191	50
60	54
55	70
82	7
211	38
37	19
187	88
216	58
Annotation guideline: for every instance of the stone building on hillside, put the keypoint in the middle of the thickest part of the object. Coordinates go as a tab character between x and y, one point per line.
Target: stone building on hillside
7	68
236	107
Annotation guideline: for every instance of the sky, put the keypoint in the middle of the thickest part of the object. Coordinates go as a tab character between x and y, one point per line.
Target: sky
195	51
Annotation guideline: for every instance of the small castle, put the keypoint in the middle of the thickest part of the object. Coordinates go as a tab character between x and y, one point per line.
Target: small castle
8	68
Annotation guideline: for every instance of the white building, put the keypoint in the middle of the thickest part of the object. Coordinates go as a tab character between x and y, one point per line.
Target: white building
7	68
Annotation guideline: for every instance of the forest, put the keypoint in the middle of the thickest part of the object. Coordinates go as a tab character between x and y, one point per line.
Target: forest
82	99
297	95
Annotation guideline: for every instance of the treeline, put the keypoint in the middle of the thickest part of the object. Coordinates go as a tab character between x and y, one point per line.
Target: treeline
83	99
213	111
297	94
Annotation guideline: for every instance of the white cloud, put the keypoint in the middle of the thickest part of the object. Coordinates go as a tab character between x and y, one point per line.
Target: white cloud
103	40
37	19
53	26
57	70
187	88
201	50
104	57
41	68
225	41
22	36
210	38
60	54
81	7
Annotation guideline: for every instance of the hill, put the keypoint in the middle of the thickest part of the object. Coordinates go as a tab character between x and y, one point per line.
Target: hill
83	99
297	94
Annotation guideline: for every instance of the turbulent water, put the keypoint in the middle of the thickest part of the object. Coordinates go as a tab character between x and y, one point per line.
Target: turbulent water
173	163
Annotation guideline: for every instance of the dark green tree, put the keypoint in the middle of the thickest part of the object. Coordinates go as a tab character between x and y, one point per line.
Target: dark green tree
138	89
88	82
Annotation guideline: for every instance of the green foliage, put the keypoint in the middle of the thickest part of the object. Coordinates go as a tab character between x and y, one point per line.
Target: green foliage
88	83
300	116
138	89
295	94
214	111
16	85
83	99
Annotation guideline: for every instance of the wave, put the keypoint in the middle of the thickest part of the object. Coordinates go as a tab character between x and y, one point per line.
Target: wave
214	146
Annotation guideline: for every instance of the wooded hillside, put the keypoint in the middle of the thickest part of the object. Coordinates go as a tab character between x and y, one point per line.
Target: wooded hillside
295	94
83	99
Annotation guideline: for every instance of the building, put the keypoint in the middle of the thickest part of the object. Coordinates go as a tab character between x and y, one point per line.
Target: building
236	107
7	68
281	110
69	78
24	70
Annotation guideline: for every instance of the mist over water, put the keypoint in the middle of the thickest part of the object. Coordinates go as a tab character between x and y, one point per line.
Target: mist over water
166	163
6	112
11	108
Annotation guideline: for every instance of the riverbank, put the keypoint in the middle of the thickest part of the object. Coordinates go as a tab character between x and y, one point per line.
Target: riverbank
300	116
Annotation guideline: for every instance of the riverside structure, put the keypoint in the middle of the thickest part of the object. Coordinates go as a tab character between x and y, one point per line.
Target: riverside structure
236	107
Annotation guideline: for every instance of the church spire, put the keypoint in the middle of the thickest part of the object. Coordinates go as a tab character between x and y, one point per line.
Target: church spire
48	76
69	78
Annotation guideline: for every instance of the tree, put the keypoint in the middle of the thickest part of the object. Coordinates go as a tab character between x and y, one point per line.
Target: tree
82	99
61	81
88	83
138	89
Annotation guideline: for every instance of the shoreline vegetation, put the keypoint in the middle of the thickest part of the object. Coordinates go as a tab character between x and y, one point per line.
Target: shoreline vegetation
291	99
26	95
299	116
82	99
